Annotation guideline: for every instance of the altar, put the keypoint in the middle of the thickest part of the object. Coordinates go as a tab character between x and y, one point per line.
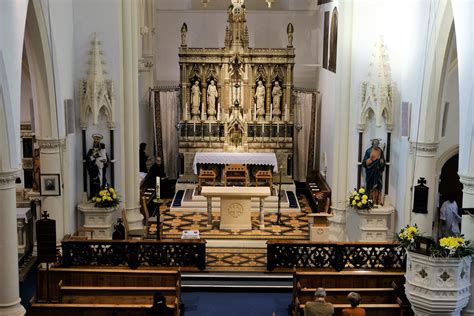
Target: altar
235	205
223	158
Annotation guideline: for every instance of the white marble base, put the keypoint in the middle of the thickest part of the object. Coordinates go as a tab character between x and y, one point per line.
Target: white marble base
100	220
437	286
370	225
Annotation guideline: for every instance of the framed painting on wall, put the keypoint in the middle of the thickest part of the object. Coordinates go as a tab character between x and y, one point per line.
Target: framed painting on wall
50	184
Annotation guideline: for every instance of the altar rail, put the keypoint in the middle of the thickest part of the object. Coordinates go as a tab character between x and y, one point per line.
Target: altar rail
284	255
187	254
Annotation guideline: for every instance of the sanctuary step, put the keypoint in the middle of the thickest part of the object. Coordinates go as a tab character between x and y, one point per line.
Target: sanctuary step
237	281
190	200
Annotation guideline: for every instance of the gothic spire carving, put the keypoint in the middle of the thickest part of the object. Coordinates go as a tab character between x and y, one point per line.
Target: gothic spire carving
97	91
377	91
237	36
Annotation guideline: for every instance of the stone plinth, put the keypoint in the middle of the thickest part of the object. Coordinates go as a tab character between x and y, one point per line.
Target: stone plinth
319	226
370	225
100	220
437	286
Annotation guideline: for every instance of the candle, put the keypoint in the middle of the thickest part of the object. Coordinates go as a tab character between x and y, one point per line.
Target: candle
271	111
286	113
194	129
218	111
157	188
210	129
255	111
202	116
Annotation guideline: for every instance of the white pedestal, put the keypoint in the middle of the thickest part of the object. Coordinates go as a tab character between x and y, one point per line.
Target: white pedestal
370	225
437	286
319	226
100	220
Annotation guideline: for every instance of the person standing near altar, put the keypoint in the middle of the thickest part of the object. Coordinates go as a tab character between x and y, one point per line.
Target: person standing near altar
212	96
374	164
449	217
260	99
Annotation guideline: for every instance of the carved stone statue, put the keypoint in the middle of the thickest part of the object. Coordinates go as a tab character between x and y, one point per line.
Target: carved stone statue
260	99
184	31
289	32
212	96
97	162
276	97
374	164
195	100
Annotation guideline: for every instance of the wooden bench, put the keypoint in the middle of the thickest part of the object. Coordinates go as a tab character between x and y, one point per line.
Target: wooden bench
105	277
235	172
379	290
59	309
207	175
264	175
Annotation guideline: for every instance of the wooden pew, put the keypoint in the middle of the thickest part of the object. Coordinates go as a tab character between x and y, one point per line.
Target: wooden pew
379	290
57	309
108	277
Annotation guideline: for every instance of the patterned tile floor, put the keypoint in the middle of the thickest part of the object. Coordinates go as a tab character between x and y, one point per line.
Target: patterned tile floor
295	226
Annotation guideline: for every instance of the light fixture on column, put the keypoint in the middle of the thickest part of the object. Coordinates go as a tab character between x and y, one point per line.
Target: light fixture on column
205	2
269	3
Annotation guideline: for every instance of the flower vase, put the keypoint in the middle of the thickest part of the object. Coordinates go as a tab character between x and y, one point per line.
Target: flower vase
437	286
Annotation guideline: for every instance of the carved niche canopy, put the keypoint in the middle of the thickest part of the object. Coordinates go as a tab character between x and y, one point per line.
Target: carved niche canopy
97	92
377	91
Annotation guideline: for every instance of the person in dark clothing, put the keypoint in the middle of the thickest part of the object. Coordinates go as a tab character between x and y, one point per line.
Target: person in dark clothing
157	170
143	158
159	307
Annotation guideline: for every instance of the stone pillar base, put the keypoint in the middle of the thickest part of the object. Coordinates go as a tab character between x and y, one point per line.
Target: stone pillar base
12	310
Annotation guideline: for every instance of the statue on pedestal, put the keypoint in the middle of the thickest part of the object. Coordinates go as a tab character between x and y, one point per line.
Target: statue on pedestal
195	100
97	162
276	97
260	99
212	95
374	164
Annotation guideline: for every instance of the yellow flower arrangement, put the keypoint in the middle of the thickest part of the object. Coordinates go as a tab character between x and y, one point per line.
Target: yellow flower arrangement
106	198
359	200
407	237
453	246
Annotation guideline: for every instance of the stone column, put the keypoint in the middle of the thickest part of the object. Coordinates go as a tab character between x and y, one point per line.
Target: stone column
467	227
9	289
268	95
424	163
204	100
130	113
53	160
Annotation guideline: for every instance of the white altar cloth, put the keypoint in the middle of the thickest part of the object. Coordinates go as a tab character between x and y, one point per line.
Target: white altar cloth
230	157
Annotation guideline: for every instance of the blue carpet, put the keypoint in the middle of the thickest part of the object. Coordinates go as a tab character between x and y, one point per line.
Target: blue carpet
178	198
292	199
235	304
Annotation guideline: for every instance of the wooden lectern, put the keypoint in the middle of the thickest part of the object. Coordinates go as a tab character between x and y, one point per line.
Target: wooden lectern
235	205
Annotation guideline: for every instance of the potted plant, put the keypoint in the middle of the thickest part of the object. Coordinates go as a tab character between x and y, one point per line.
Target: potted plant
359	200
106	198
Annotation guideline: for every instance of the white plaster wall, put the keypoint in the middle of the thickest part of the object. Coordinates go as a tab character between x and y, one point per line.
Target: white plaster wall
406	50
104	18
12	28
25	97
207	29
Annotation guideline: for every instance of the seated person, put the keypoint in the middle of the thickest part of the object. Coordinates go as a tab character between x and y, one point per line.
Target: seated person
354	300
318	307
159	307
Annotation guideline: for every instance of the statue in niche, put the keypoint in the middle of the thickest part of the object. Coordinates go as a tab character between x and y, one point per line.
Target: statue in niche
212	96
195	99
276	97
374	164
260	99
97	162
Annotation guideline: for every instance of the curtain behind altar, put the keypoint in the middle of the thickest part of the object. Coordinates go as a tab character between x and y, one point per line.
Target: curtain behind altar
306	146
168	105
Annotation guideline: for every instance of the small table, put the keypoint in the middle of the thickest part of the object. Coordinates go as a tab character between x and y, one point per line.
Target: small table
207	175
264	175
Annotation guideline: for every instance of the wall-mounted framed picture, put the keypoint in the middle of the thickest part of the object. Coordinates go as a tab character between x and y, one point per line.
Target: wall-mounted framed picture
50	184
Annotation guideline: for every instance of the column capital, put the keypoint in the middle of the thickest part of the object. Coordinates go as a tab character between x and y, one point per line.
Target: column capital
7	179
468	183
51	145
424	149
